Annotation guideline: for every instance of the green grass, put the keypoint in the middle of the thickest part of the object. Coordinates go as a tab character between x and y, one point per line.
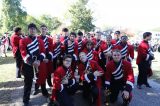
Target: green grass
7	68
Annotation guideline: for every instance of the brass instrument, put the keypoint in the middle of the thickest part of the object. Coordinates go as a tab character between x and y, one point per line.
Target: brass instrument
88	69
67	76
35	69
107	94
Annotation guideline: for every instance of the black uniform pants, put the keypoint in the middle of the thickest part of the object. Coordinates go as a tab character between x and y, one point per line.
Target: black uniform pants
18	64
115	87
90	91
143	73
64	97
28	80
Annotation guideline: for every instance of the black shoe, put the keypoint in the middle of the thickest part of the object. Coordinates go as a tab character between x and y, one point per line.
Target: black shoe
139	86
125	103
35	92
25	103
46	95
52	103
147	85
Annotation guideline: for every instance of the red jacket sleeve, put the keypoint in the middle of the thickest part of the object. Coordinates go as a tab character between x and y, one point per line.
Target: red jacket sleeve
131	51
57	79
142	50
129	76
15	44
23	49
108	74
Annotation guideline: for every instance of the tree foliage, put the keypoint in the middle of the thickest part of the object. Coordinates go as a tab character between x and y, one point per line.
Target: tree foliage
81	16
51	22
13	14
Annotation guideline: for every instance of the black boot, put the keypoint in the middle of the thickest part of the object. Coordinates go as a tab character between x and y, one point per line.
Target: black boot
49	81
36	89
53	103
147	85
44	90
125	102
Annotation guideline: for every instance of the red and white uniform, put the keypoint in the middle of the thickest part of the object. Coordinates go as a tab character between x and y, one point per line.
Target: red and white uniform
15	43
91	55
98	43
122	71
59	74
144	54
93	65
127	51
48	44
81	45
30	47
71	49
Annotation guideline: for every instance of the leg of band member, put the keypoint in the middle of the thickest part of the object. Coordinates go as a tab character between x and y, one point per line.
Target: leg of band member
44	90
114	93
95	93
49	80
18	67
28	79
72	90
64	99
142	76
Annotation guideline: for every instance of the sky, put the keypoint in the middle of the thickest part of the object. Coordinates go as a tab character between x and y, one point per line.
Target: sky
135	14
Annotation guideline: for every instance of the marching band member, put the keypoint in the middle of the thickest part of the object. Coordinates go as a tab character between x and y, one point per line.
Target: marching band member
64	84
57	52
33	53
80	41
144	59
15	38
127	50
91	54
64	36
105	51
90	73
71	48
119	77
117	36
48	43
98	41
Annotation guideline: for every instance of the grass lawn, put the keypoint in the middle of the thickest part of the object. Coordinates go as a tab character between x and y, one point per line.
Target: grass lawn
8	82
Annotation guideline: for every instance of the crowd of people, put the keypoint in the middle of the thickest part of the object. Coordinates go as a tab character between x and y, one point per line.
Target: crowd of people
5	44
70	62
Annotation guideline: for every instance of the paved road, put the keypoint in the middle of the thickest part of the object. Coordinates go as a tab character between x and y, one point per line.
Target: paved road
143	97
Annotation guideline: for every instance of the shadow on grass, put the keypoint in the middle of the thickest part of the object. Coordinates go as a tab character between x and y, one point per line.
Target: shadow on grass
6	96
7	60
11	84
156	75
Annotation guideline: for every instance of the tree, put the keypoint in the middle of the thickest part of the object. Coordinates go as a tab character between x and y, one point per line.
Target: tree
13	14
51	22
81	16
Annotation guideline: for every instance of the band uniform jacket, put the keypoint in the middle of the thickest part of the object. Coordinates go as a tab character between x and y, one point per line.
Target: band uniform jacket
92	66
123	71
144	55
61	73
31	47
48	44
127	51
91	55
15	43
